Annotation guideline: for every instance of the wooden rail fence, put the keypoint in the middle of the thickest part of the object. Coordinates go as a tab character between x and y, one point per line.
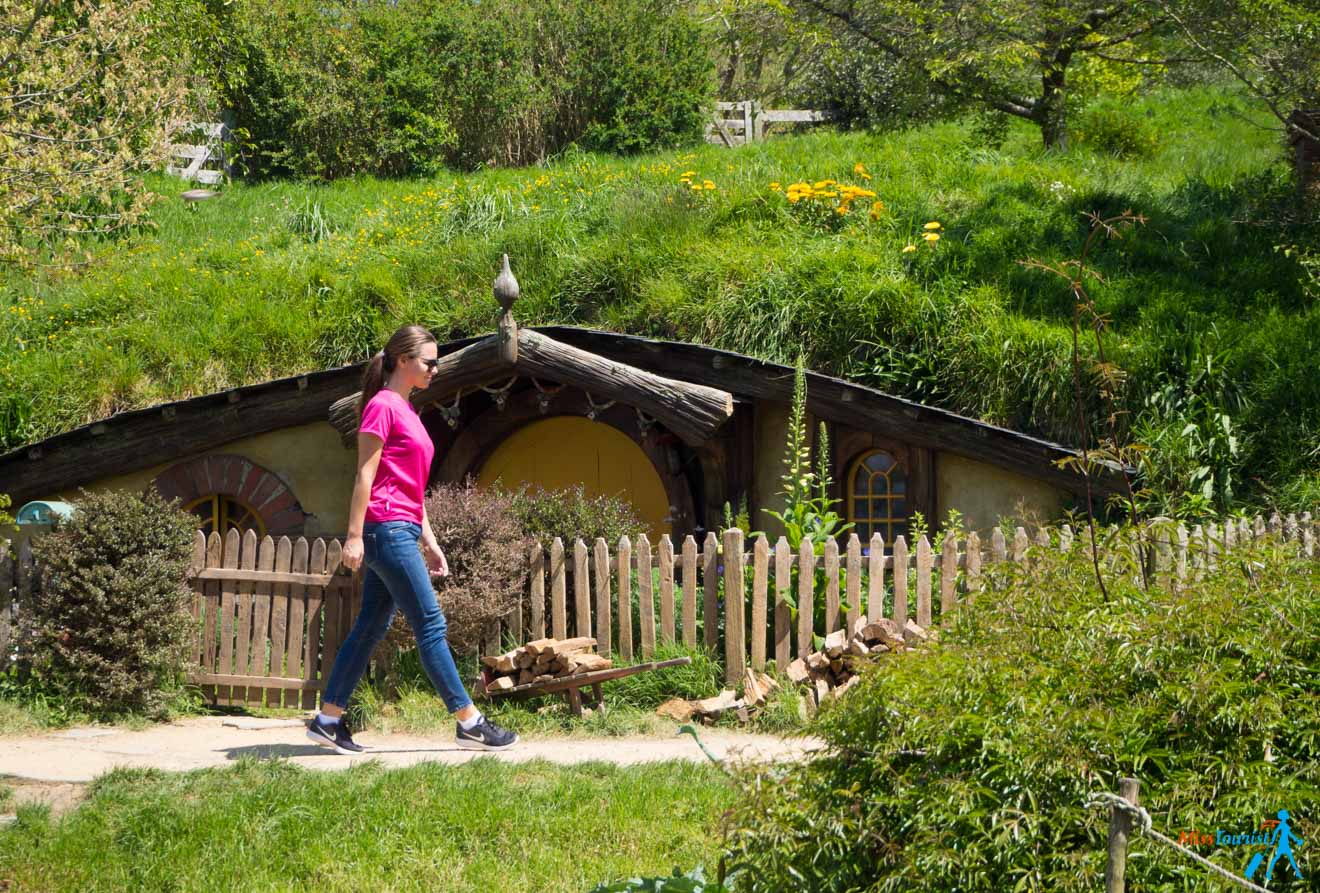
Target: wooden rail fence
736	123
271	615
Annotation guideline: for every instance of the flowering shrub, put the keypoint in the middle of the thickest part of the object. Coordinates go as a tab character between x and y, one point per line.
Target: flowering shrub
826	204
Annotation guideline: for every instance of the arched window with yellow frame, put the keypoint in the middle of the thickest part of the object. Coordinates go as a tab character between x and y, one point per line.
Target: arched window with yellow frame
878	496
220	513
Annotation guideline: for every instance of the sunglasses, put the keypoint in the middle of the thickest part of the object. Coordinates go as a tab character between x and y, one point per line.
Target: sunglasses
430	364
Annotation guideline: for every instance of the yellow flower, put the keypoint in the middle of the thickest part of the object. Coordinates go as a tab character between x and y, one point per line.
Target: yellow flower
688	174
822	184
876	208
709	185
931	237
775	186
841	210
933	225
909	248
794	197
859	168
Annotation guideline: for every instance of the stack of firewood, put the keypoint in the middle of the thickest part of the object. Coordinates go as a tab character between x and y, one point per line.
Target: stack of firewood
830	672
542	660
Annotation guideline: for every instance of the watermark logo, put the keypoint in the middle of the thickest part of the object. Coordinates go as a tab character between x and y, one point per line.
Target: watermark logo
1275	836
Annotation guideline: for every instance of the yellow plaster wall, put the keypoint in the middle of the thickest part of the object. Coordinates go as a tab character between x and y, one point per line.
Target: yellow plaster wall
984	492
310	459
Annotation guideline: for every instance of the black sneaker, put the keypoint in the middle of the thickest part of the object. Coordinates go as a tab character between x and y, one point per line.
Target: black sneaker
485	735
337	736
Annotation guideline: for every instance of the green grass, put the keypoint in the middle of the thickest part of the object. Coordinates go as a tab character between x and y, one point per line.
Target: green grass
483	826
277	278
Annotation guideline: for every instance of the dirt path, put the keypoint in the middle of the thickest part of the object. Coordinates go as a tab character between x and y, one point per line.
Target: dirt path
60	762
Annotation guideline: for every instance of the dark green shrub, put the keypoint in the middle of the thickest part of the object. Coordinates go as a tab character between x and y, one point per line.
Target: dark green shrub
1112	127
968	766
109	624
327	90
570	514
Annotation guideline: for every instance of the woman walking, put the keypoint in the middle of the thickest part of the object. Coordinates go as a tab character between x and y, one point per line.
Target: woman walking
386	519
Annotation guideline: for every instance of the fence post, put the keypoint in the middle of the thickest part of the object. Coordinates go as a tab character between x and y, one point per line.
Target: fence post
749	135
735	647
1120	826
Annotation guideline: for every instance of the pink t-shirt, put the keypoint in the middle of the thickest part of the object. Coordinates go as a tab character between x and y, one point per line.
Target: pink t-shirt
405	459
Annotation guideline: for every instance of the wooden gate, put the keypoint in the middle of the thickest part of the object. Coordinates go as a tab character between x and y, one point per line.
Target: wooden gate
270	617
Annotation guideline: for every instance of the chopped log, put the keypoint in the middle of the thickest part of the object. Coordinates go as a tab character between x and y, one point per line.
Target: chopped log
883	630
568	665
753	694
534	648
525	676
725	700
913	634
676	709
835	642
589	663
524	660
797	672
822	690
857	648
576	645
502	663
836	665
500	683
840	690
544	677
817	660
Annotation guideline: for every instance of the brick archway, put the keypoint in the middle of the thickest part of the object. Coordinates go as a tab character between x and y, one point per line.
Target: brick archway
240	478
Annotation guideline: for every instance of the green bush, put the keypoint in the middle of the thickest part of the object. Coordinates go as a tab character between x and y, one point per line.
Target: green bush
1110	126
109	624
327	90
570	514
968	766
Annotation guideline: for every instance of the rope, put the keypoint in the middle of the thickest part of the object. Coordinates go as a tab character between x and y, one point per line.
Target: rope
1105	798
688	728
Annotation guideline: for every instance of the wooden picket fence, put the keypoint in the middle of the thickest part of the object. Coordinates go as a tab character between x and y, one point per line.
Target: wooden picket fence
271	615
592	592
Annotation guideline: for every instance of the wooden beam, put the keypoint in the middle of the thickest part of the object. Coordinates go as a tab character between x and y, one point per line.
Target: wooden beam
837	400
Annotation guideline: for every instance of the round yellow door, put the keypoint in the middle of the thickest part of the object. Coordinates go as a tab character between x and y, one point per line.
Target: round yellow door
564	451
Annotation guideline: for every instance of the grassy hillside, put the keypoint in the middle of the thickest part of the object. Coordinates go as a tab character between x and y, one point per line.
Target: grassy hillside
275	278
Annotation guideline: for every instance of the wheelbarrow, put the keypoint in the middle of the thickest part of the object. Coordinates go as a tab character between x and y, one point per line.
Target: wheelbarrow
571	686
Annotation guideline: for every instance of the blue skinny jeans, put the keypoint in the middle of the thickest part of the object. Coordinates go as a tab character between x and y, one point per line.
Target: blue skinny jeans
396	575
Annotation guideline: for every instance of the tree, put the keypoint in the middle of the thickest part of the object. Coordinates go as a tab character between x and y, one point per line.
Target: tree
87	92
1273	48
1011	56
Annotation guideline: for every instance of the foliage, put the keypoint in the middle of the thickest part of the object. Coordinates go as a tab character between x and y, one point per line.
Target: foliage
331	90
225	295
1273	49
110	627
486	550
693	881
142	829
1110	126
967	766
88	96
5	503
1009	55
571	514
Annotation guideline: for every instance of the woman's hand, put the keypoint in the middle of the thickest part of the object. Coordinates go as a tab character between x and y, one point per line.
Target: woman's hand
435	560
351	557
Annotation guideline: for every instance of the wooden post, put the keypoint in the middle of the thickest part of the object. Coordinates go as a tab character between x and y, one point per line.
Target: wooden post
948	575
760	577
558	605
581	589
735	647
783	596
710	591
749	135
646	596
972	562
1120	826
806	591
853	600
831	585
925	562
625	598
538	592
900	578
689	591
604	629
666	589
875	595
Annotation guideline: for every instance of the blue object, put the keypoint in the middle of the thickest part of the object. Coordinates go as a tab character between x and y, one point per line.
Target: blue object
43	512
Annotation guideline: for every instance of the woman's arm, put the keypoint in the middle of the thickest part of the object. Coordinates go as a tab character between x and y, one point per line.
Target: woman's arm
369	450
435	556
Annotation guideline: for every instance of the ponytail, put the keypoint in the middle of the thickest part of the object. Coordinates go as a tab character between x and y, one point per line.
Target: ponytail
403	343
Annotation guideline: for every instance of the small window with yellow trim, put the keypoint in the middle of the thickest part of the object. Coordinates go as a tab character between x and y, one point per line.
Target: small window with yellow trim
878	497
220	513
